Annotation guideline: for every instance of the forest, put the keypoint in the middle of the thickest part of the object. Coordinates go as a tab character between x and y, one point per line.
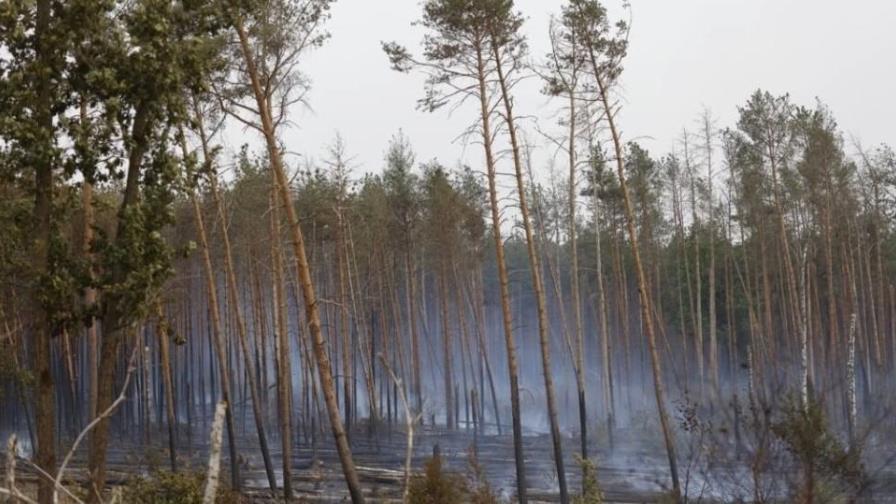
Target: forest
574	320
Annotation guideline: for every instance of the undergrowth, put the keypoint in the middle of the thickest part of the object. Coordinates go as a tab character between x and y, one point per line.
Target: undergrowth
164	487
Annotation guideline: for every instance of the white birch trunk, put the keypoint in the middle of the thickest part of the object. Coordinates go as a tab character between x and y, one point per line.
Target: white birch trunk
214	458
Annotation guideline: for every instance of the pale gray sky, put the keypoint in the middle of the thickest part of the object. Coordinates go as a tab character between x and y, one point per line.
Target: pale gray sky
684	55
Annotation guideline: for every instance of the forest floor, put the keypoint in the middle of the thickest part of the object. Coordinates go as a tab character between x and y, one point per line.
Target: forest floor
636	472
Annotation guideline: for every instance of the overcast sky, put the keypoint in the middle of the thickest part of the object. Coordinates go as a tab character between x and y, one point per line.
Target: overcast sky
684	55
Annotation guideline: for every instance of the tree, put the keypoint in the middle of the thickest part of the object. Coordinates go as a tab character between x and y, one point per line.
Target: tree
441	205
272	38
709	133
32	141
403	199
601	186
565	65
508	48
604	50
459	65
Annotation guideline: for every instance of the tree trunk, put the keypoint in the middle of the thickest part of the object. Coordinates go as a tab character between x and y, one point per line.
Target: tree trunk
217	339
574	273
698	274
115	318
644	293
162	333
281	342
344	329
479	320
503	280
604	315
45	406
450	420
543	323
711	286
410	301
303	268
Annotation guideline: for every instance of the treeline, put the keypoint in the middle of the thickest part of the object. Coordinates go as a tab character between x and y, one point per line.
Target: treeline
755	260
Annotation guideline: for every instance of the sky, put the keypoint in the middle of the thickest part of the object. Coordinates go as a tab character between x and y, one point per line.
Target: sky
684	56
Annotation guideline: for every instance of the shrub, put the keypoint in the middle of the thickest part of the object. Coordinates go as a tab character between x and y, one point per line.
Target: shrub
591	493
436	486
480	490
807	436
164	487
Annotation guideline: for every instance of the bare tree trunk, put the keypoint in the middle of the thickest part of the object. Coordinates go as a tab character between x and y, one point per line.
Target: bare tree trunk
450	421
543	323
365	339
507	318
698	274
411	302
214	458
479	319
303	268
217	339
644	293
711	232
609	400
344	329
89	292
45	406
281	343
574	273
851	381
163	333
804	332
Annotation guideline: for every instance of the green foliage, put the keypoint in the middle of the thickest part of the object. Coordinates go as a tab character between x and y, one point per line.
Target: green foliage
457	45
591	492
10	371
603	46
401	190
119	75
825	462
164	487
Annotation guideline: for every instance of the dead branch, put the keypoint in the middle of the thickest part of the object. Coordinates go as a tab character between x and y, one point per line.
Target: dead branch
410	419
